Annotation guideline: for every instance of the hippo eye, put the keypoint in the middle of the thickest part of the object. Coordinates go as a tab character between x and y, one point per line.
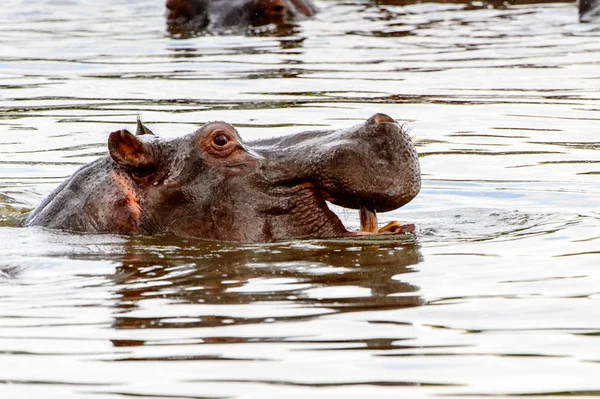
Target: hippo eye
220	140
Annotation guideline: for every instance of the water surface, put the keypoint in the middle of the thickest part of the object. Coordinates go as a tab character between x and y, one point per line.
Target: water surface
496	295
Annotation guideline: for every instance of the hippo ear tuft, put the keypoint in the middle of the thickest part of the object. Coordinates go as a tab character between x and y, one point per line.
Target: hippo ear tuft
141	129
128	151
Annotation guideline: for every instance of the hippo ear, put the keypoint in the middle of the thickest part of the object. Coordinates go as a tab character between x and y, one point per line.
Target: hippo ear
141	129
129	152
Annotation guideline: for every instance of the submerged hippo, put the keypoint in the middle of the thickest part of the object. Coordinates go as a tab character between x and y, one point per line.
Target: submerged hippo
211	185
224	14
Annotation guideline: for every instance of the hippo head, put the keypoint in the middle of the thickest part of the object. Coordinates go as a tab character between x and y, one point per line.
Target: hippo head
212	185
225	14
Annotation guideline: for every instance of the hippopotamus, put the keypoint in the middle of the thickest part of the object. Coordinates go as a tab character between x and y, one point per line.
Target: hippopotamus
212	185
589	10
227	14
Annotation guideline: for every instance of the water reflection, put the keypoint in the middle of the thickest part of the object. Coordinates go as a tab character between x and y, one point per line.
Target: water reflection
180	32
305	280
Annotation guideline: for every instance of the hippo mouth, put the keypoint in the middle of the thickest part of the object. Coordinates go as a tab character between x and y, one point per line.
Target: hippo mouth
372	167
369	224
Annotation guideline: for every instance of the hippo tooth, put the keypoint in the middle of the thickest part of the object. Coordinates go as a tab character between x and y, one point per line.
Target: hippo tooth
368	220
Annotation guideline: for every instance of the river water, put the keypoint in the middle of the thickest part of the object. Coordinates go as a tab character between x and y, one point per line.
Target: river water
497	294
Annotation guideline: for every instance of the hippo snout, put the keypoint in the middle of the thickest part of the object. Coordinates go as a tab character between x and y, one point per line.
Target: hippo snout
373	165
399	172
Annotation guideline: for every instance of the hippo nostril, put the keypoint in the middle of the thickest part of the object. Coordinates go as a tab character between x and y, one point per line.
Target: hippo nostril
383	118
278	9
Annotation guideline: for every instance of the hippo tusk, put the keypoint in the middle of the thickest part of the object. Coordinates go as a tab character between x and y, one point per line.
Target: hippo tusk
368	221
368	224
391	227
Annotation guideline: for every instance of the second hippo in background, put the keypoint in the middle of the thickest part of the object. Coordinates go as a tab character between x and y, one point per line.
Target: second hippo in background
219	15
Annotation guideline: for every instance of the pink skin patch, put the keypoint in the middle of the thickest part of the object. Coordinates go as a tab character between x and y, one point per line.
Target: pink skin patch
127	213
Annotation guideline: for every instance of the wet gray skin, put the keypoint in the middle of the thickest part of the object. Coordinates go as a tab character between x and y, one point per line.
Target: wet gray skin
224	14
211	185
